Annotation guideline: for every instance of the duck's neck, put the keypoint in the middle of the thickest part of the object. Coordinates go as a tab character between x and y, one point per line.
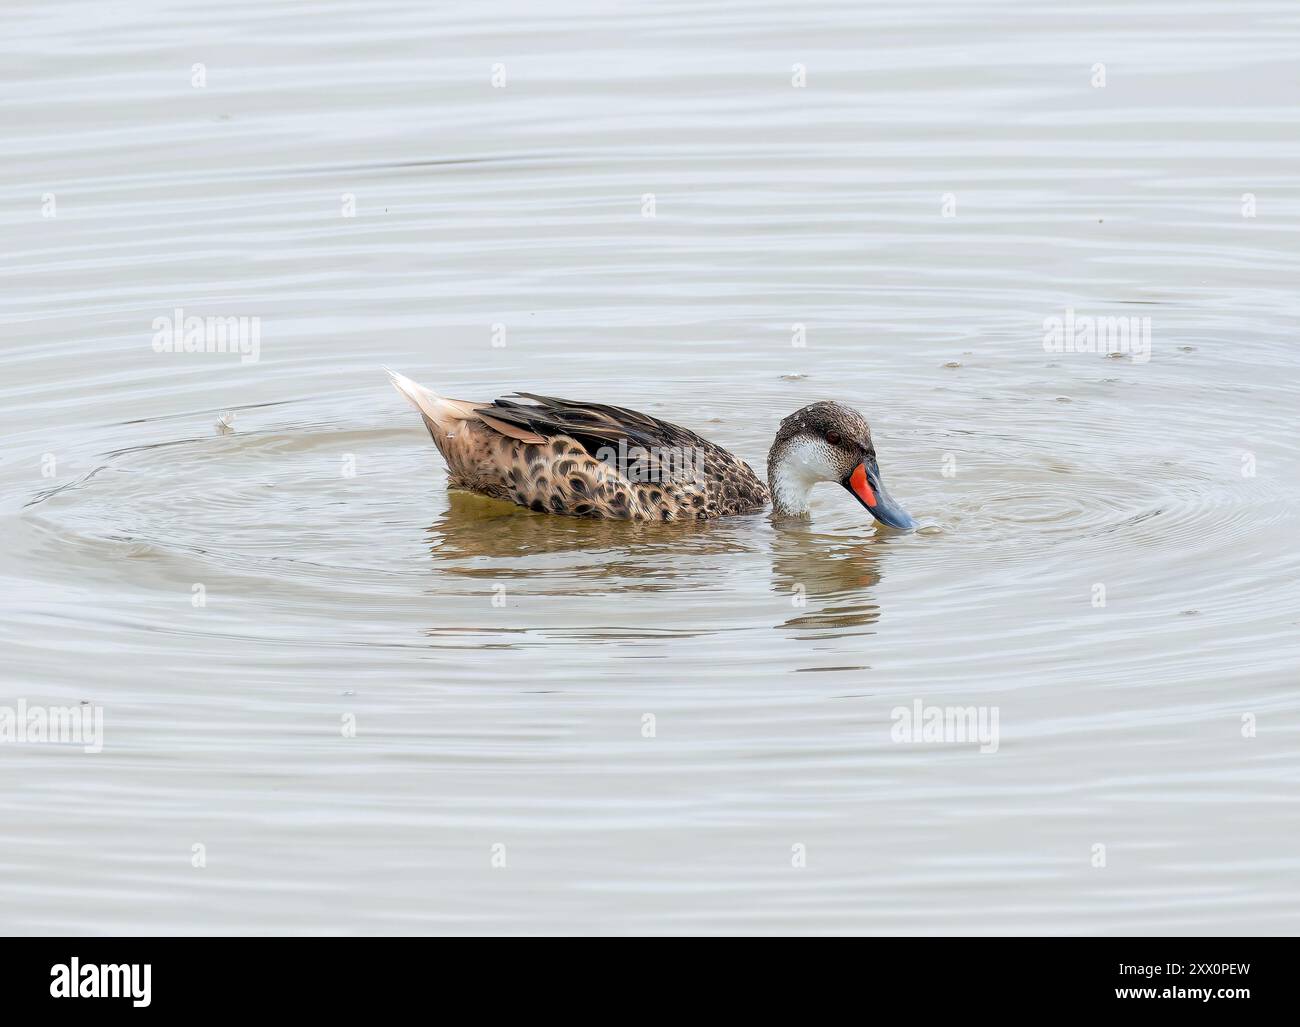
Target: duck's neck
792	470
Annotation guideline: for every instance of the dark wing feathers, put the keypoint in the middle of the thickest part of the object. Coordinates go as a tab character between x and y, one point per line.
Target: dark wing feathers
592	424
616	416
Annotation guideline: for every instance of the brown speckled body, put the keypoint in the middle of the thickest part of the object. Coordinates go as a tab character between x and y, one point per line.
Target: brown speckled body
549	470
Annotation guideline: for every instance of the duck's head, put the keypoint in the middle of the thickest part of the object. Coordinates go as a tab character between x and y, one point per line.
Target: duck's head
829	442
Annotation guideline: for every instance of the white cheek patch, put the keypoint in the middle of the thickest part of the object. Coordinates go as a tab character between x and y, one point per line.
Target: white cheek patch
810	462
803	464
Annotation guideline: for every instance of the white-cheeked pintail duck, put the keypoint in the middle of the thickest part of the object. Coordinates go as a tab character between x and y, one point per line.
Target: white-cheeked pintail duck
595	460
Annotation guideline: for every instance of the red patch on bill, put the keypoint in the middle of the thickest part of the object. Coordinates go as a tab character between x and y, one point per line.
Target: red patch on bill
861	489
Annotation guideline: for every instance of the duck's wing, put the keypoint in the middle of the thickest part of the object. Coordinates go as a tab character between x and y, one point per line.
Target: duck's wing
593	425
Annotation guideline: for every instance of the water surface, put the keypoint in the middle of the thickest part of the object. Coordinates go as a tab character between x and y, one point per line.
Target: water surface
244	563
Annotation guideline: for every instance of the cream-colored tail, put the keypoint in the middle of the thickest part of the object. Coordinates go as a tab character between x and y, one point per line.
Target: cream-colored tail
441	415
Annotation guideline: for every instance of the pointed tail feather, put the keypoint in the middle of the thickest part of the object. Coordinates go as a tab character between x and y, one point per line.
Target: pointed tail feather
440	414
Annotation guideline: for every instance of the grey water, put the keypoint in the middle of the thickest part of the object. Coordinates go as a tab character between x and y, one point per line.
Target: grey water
337	698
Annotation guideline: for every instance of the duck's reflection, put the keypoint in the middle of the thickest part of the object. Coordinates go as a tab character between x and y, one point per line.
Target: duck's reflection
829	582
475	533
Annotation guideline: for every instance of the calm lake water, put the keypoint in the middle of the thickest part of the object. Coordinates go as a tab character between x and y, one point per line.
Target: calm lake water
361	704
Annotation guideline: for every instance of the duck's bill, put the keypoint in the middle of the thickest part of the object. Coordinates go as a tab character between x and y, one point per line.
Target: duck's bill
869	490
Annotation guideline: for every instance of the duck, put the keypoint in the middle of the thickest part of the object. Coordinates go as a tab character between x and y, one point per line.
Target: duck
578	459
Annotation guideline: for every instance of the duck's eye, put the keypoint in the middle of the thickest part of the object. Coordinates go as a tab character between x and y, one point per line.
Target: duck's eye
833	437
